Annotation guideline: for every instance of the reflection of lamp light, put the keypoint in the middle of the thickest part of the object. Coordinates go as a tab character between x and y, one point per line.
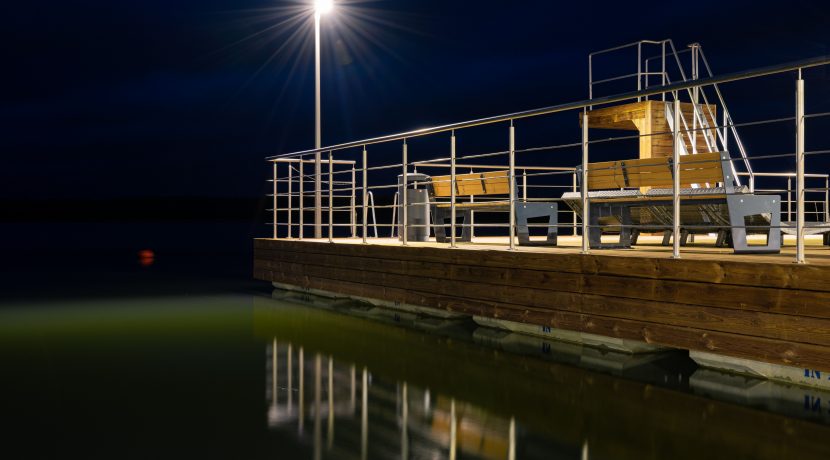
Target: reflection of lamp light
321	7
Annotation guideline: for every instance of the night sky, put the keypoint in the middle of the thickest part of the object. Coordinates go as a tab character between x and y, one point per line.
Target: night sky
108	99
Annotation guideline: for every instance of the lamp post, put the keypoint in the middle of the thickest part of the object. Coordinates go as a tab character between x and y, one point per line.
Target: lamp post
321	7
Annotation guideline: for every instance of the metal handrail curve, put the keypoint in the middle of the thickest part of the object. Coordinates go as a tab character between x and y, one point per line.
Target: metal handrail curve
726	78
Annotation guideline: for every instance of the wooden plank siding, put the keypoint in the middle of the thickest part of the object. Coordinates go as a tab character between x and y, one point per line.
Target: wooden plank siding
771	312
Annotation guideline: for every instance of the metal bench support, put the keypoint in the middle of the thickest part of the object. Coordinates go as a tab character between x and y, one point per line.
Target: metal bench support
524	211
741	206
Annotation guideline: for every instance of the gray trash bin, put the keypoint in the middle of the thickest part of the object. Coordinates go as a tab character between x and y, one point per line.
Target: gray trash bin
417	199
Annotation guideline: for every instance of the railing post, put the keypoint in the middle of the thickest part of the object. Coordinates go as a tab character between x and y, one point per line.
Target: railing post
364	202
512	184
789	199
290	205
275	199
695	96
452	190
590	77
473	215
524	184
318	195
826	199
585	210
302	196
663	67
574	189
639	68
725	131
352	211
676	180
404	202
799	169
331	197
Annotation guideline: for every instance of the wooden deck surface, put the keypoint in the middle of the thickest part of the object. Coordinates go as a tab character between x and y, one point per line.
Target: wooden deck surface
760	307
649	246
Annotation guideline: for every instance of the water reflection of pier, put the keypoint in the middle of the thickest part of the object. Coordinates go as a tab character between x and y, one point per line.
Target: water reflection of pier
561	397
407	421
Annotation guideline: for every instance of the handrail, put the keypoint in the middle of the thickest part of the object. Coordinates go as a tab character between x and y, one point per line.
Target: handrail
728	116
734	76
374	216
627	45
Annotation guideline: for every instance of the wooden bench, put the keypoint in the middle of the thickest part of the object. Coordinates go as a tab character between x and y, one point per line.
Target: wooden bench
631	196
488	184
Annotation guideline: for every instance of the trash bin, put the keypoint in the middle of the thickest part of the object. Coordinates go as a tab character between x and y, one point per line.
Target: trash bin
417	212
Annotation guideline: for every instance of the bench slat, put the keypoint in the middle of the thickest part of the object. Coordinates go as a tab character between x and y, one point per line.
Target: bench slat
469	184
473	184
441	186
654	172
496	183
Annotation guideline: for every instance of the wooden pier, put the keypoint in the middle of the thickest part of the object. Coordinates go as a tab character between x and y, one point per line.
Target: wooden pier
757	307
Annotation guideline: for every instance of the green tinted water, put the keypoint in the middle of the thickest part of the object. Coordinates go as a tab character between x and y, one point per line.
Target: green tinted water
293	376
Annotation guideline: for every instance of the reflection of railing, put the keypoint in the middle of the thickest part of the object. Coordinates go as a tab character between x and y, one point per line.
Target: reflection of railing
436	425
408	148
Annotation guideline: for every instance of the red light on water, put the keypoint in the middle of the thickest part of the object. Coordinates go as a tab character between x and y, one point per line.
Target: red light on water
146	257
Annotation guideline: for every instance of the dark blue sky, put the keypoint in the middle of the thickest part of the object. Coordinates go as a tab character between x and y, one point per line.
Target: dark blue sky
105	99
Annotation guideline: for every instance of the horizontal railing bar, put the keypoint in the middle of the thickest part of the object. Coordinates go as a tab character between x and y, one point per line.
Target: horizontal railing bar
568	225
734	76
621	77
557	173
324	161
628	45
785	174
534	168
659	56
378	168
549	147
481	155
375	187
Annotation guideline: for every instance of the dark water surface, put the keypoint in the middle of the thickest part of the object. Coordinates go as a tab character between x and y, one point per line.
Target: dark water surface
104	355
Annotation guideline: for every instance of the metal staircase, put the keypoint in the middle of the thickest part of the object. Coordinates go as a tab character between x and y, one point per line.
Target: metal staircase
703	120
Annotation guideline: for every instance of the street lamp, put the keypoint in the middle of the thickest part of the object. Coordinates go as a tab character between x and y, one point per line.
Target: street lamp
321	7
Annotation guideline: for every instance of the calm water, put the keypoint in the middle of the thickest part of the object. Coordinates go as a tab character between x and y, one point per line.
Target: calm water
106	356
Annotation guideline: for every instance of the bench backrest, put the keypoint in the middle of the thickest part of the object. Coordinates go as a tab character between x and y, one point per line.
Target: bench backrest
473	184
657	172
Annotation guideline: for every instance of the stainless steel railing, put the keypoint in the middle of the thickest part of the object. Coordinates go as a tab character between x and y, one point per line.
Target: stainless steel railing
412	155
